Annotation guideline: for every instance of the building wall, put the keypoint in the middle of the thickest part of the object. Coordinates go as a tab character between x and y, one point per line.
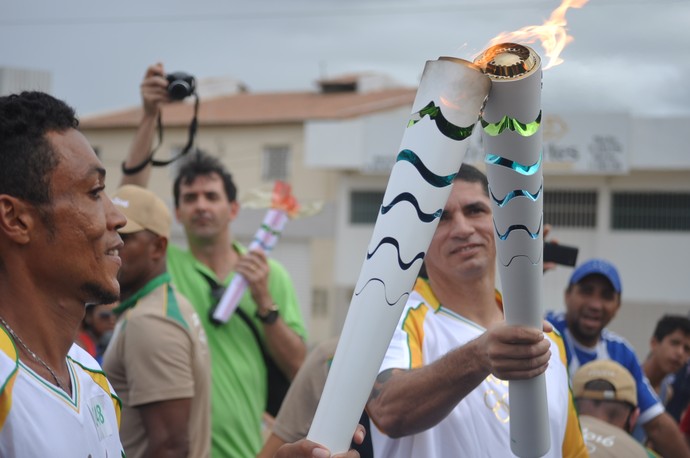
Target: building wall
241	150
330	159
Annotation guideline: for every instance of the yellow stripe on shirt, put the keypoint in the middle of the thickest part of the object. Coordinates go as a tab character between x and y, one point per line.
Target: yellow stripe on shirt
9	368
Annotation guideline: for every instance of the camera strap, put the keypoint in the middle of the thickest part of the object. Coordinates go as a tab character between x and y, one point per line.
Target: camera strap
161	163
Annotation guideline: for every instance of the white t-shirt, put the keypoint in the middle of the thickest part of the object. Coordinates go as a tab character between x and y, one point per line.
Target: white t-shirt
37	419
479	425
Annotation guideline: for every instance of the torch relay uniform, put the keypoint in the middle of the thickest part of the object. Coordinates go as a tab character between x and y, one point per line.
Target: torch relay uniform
479	426
239	380
614	347
38	419
158	353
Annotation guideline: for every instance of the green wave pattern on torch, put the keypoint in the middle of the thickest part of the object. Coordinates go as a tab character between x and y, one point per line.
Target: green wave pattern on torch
526	130
447	128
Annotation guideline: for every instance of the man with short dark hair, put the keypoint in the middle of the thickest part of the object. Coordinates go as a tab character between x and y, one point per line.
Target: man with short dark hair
606	398
158	359
442	389
592	299
268	316
58	252
669	352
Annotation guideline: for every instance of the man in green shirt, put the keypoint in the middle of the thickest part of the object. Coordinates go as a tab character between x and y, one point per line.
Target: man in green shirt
205	204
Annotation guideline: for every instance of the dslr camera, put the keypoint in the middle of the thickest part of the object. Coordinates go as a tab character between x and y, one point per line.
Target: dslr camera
180	85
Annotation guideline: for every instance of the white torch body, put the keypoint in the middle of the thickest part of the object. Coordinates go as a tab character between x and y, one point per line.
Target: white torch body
512	141
446	107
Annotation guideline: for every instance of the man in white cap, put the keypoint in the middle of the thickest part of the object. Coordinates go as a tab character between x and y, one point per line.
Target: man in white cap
157	360
606	398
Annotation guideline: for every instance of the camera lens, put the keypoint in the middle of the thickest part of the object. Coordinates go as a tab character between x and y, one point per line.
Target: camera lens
180	85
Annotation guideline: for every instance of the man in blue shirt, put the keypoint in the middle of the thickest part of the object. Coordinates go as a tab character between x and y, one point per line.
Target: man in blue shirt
592	299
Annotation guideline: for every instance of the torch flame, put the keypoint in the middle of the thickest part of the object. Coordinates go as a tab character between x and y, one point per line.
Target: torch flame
552	34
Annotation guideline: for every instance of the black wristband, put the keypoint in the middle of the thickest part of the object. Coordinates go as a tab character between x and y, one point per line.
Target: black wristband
269	317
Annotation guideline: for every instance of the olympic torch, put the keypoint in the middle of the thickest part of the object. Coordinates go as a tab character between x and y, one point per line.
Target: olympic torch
513	145
446	107
283	207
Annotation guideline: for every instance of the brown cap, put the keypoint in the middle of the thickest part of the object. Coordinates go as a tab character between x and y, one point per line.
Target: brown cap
143	209
624	387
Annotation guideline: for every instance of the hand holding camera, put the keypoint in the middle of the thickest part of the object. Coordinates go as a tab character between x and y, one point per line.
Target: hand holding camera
158	88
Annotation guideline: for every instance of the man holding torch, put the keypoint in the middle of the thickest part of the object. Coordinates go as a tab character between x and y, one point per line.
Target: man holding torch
442	388
205	204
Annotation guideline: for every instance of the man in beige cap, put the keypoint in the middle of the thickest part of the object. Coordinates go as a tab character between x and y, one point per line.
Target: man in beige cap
157	360
606	398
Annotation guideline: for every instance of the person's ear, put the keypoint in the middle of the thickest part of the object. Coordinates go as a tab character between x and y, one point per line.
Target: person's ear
234	209
634	415
160	246
16	219
653	343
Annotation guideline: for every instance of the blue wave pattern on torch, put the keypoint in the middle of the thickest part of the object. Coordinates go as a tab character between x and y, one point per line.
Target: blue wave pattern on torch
522	169
437	181
447	128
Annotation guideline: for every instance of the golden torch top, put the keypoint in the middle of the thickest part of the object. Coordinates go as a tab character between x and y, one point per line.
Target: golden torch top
508	61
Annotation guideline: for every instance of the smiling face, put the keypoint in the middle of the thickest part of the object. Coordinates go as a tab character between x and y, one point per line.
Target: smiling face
590	305
463	245
75	245
204	209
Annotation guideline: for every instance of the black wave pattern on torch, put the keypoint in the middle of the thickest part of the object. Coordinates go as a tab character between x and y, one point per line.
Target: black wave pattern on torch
446	127
403	265
409	197
384	288
437	181
515	194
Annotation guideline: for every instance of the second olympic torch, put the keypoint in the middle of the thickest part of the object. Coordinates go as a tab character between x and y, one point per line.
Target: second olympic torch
513	145
445	110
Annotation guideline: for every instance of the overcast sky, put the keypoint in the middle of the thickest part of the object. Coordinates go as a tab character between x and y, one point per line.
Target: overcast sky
628	55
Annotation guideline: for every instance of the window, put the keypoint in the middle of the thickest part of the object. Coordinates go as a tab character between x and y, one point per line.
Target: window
652	211
570	208
365	206
276	159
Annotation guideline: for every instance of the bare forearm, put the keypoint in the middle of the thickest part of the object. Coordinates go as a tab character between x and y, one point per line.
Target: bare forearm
286	347
166	425
666	437
401	402
139	152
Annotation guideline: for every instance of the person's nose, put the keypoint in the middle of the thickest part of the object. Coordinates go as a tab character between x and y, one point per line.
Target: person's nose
462	226
596	302
201	204
115	219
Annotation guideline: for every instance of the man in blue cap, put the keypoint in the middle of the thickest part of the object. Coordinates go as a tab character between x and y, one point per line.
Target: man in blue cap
592	299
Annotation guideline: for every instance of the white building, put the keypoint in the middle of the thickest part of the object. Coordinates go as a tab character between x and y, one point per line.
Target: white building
615	186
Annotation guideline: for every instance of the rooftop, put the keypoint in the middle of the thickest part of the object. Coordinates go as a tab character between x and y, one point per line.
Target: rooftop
353	98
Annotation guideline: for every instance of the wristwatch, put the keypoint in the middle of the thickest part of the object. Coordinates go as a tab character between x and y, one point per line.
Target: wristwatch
270	316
